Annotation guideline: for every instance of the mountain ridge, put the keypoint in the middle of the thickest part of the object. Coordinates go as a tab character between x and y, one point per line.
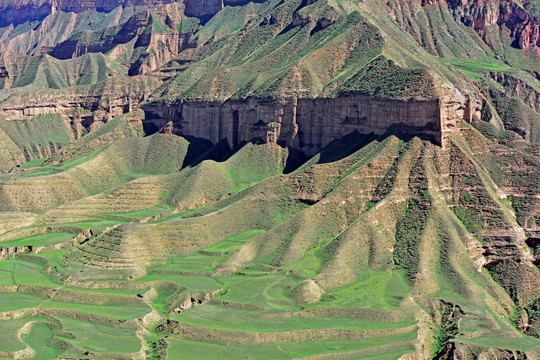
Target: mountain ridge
273	179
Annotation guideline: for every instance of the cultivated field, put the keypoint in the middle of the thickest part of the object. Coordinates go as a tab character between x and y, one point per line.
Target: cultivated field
345	257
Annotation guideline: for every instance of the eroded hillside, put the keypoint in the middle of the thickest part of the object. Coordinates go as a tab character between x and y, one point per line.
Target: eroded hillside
375	245
269	179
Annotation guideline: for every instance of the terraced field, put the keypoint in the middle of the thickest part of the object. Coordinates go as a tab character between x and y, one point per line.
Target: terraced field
122	239
344	259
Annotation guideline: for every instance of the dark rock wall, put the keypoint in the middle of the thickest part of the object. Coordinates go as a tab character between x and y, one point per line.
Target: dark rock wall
305	124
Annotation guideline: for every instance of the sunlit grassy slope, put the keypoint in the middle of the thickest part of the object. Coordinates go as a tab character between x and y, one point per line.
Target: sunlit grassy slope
371	249
119	246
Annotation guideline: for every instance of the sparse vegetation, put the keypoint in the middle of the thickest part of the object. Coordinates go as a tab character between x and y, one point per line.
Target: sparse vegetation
410	227
118	240
230	296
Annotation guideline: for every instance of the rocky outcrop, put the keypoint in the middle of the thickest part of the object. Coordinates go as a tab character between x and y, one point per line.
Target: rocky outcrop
9	252
510	261
103	41
304	124
12	12
161	48
91	106
523	27
517	88
191	299
85	109
533	241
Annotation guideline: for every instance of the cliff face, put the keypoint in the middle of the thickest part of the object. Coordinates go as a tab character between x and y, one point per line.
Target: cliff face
87	109
14	11
523	27
495	21
305	124
203	8
80	45
19	10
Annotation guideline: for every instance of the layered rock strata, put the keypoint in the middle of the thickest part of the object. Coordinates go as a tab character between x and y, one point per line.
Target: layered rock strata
305	124
12	11
523	26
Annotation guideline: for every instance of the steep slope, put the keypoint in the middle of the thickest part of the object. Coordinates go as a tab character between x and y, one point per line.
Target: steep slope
494	45
270	179
285	54
30	140
46	72
401	233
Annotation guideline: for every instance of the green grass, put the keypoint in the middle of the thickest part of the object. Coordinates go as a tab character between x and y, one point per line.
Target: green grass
39	339
330	347
312	261
247	290
182	349
217	317
98	224
374	290
209	258
411	226
194	283
191	263
160	209
26	273
40	240
17	301
48	169
523	343
25	140
475	69
43	130
9	340
100	338
31	274
55	257
234	242
33	163
127	291
6	278
117	312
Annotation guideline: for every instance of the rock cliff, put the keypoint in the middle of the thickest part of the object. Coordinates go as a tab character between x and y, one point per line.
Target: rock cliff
305	124
13	11
86	109
523	26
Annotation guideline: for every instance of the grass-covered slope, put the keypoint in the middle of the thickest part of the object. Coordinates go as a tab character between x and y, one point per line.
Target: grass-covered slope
116	245
292	49
96	172
38	138
46	72
375	248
